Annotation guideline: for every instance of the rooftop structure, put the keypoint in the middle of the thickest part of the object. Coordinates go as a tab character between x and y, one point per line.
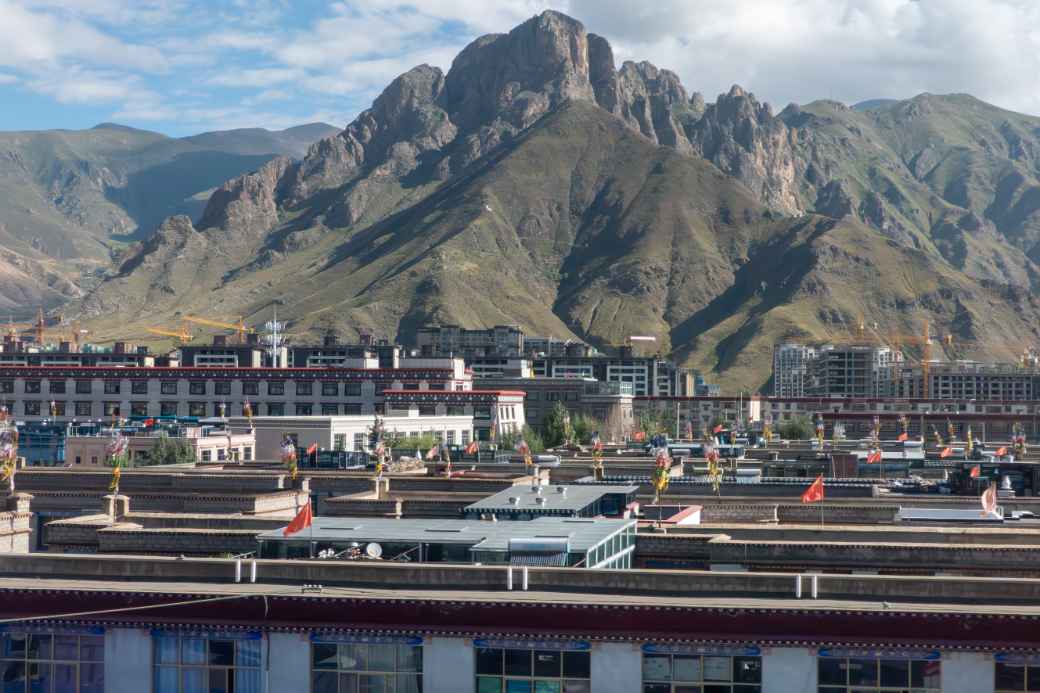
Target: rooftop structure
527	501
564	542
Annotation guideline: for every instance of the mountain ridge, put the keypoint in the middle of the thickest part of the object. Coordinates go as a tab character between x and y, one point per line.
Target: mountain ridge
479	196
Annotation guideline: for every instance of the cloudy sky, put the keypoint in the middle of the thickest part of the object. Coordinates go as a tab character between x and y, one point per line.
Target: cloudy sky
184	66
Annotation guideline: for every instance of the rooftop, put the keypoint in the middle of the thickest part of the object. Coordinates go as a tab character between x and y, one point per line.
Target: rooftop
580	534
547	499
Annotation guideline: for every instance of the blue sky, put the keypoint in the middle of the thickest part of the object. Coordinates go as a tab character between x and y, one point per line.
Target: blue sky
186	66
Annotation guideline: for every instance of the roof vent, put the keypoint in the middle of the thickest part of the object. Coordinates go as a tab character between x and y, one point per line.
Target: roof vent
513	500
562	490
540	500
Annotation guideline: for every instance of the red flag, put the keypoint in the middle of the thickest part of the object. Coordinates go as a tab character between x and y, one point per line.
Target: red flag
903	437
975	471
472	448
989	500
1001	452
148	423
301	522
639	436
946	452
717	429
815	492
312	449
874	457
432	452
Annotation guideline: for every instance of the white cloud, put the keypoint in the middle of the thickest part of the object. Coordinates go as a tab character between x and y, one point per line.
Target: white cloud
8	79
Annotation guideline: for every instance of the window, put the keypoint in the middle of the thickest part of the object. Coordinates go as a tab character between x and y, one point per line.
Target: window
196	408
250	388
32	387
359	441
330	389
1016	674
348	667
197	387
682	669
185	663
247	453
57	408
36	661
139	409
222	387
339	441
349	389
352	409
83	408
111	387
304	409
83	387
168	387
56	387
411	386
512	669
329	409
167	409
867	674
451	438
138	387
304	389
111	408
207	455
427	410
276	387
275	409
32	407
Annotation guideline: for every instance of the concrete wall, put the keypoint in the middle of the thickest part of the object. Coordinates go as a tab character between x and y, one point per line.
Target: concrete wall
128	660
616	667
289	667
788	669
967	672
449	664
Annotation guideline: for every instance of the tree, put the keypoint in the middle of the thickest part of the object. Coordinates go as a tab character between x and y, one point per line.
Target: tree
508	441
584	427
166	450
557	428
797	428
658	420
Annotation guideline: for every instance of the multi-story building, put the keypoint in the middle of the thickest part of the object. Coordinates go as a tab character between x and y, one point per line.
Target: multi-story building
852	370
33	393
641	372
17	353
969	380
503	340
331	354
207	443
791	363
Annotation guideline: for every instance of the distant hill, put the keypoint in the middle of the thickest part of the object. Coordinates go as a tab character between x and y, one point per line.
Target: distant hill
537	183
871	104
70	199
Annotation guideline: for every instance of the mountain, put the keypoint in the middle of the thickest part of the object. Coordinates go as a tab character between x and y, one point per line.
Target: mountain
72	198
537	183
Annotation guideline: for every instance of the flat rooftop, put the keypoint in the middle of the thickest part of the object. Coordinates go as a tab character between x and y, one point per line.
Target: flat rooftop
581	533
552	499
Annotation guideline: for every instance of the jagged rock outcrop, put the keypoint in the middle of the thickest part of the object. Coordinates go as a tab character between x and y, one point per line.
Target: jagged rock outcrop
249	203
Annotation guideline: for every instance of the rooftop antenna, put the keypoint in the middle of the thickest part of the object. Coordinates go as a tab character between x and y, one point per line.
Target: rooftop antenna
274	339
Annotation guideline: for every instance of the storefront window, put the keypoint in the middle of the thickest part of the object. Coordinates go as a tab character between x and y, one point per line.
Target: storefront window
206	662
361	665
62	661
1016	673
868	671
533	667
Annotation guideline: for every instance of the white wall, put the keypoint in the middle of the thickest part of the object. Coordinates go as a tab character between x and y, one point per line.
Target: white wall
967	672
616	667
449	664
289	663
128	660
788	669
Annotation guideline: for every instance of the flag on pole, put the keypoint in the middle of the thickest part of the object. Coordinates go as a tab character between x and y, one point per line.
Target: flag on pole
718	429
903	437
874	457
302	521
472	448
989	500
1002	451
814	493
431	453
639	436
975	471
946	452
149	422
312	449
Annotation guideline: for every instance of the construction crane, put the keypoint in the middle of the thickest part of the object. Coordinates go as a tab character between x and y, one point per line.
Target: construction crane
925	342
182	335
239	328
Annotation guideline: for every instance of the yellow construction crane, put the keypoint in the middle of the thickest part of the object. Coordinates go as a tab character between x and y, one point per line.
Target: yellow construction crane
239	328
924	341
182	335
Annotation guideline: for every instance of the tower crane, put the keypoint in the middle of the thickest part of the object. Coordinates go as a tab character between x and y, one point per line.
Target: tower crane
239	328
182	335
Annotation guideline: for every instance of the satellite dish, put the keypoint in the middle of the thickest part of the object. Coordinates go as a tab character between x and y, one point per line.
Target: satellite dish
374	550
